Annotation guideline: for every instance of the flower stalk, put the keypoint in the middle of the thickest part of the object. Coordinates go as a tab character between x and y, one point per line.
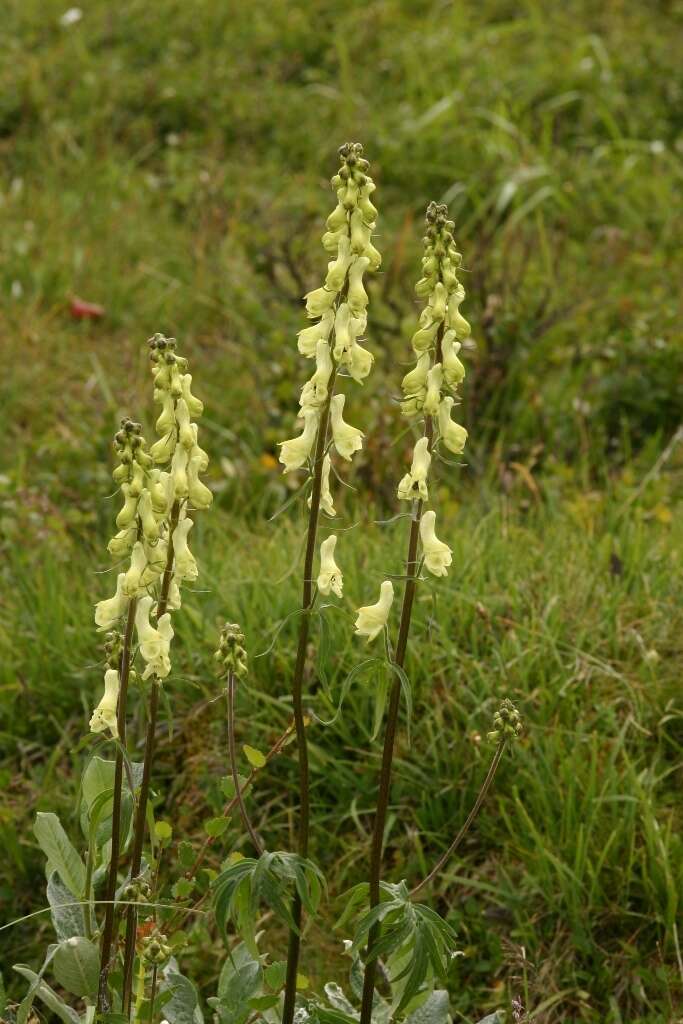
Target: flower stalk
436	345
339	309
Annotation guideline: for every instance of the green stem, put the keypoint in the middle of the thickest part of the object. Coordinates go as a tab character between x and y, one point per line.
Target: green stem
232	754
141	814
297	696
110	893
486	785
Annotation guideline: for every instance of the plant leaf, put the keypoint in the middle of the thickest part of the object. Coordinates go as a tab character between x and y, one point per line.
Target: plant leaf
47	996
76	966
61	855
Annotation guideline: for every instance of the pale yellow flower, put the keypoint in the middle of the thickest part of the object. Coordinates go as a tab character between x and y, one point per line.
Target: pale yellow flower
373	618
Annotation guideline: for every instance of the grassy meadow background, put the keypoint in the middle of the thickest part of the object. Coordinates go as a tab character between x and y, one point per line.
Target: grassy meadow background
170	162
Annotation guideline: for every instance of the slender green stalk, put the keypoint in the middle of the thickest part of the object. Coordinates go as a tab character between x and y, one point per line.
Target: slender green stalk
108	930
486	785
391	728
297	695
141	814
233	765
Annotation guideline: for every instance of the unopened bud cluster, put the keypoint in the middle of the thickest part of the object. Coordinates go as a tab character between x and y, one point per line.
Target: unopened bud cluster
155	949
507	722
231	656
158	486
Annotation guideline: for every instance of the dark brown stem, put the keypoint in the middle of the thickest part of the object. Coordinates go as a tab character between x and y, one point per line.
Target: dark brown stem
153	993
297	687
141	814
486	785
233	765
108	929
391	728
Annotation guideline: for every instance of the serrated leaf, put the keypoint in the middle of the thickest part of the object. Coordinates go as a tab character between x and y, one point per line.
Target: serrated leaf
182	888
276	974
61	855
162	831
255	758
76	966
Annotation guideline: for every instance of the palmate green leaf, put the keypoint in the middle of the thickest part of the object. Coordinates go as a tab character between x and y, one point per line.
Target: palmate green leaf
243	887
61	855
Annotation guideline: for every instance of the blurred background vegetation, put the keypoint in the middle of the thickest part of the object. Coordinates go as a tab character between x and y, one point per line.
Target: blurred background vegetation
170	163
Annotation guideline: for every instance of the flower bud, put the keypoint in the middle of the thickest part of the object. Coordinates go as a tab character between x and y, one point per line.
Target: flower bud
231	655
507	722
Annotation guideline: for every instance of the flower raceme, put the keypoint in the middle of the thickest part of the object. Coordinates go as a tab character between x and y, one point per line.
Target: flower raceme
158	486
339	309
373	618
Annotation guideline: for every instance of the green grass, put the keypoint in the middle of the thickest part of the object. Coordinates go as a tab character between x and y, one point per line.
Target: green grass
171	163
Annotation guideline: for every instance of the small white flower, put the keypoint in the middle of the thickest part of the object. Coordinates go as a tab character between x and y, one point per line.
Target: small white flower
437	554
373	617
154	644
308	338
71	17
293	453
433	395
453	370
326	500
452	434
414	484
104	715
347	439
109	611
185	564
330	576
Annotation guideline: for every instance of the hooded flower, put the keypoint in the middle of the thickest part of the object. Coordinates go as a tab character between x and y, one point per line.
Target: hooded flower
294	453
155	643
454	371
185	564
330	577
104	715
373	618
109	611
433	393
308	338
347	439
437	554
452	434
132	584
326	501
314	391
414	484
